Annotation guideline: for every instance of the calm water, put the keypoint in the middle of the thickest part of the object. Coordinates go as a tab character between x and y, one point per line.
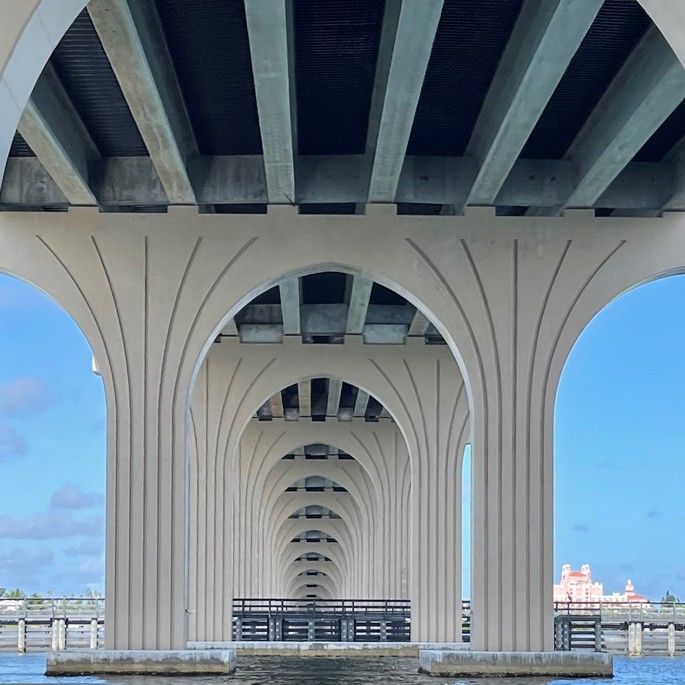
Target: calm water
29	668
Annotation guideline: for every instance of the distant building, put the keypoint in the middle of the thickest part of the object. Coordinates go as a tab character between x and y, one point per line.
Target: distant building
577	586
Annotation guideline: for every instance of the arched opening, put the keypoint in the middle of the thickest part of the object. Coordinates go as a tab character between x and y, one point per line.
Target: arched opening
348	354
618	437
52	451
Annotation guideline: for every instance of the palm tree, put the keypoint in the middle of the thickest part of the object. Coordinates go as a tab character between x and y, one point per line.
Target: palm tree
15	594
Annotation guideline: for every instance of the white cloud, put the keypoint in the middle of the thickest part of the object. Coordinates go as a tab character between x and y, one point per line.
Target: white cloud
25	397
88	547
19	563
43	526
11	443
71	496
92	566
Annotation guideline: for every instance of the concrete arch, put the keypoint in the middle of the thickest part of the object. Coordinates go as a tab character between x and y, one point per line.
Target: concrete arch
348	512
320	581
345	507
332	528
405	373
377	460
361	511
669	17
305	470
419	290
322	592
252	543
327	567
335	528
330	550
31	31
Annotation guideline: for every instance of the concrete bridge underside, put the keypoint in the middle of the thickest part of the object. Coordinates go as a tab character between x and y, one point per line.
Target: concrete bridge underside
297	335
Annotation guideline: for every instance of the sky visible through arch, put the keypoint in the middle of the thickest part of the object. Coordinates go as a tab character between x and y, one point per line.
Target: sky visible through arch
620	446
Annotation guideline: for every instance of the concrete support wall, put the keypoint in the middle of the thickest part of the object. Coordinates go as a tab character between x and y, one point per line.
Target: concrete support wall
510	295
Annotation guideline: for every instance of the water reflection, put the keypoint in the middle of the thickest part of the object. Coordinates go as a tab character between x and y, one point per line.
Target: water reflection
344	671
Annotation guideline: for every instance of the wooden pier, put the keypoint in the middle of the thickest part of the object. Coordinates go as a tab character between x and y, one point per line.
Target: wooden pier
51	623
621	628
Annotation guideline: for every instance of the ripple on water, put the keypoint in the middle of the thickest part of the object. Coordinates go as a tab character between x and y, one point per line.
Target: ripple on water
29	668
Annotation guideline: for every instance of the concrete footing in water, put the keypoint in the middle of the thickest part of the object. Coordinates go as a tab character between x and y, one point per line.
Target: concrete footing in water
347	649
558	664
141	662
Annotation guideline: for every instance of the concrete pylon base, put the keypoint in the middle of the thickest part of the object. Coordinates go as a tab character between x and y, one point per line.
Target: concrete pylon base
511	664
328	649
141	662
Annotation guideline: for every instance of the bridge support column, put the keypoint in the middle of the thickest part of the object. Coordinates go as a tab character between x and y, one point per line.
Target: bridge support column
127	294
526	300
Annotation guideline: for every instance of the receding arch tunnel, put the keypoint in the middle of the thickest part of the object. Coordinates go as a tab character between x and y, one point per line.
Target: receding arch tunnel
325	431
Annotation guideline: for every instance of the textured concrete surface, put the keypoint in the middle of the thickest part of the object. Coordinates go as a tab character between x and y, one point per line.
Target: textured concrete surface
142	662
559	664
346	649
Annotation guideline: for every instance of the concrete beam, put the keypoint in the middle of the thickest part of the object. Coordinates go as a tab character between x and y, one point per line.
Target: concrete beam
27	183
134	42
542	44
261	333
385	334
270	30
304	393
358	304
122	181
405	49
55	132
290	306
334	390
328	319
277	406
230	329
419	325
361	403
649	86
675	197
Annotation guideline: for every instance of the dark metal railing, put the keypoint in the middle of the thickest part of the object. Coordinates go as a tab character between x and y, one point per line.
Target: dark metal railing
321	620
345	620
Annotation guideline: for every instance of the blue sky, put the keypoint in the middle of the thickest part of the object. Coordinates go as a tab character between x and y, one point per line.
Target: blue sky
620	444
52	448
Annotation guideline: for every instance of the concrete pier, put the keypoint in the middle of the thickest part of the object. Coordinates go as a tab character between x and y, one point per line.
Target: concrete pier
141	662
501	664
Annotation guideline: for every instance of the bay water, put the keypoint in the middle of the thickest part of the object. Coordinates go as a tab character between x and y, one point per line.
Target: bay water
29	668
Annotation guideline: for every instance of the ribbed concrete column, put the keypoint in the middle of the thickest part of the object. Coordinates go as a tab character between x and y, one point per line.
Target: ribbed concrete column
109	288
431	384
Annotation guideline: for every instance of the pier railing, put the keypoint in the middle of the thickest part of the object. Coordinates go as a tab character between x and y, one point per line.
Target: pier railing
51	622
634	628
618	627
320	620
